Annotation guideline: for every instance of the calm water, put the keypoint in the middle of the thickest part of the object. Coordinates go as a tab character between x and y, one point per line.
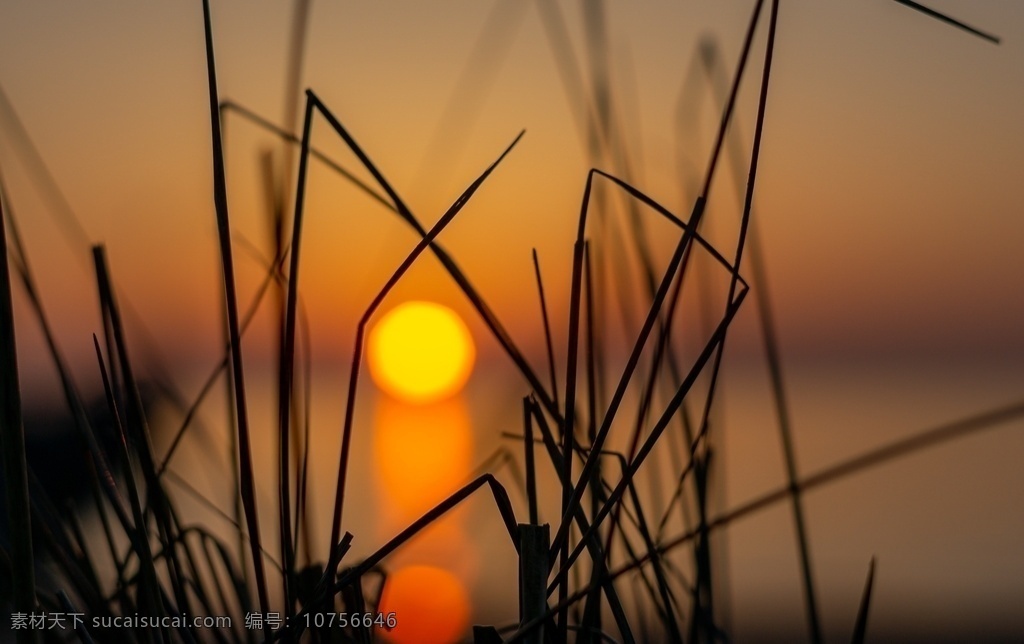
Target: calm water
944	524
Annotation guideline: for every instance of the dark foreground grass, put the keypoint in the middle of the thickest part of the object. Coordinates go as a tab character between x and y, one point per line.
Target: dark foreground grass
12	442
572	573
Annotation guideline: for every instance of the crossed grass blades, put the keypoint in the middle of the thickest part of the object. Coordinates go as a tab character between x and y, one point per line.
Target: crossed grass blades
569	581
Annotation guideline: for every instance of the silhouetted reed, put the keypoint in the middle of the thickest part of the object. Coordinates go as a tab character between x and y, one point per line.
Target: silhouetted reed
569	571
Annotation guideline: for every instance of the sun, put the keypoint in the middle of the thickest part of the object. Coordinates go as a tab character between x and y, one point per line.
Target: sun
421	352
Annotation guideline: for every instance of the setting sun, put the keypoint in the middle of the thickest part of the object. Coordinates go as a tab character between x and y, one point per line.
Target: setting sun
421	352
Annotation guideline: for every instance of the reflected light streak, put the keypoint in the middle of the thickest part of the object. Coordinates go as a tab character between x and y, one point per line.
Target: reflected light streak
431	606
422	453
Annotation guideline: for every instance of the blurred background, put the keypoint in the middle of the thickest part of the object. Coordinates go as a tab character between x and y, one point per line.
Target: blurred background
888	202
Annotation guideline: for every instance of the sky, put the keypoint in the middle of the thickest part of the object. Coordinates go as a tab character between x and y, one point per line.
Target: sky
887	194
888	198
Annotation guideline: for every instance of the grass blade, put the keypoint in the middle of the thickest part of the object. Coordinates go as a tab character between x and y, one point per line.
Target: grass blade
136	425
40	173
684	244
501	501
810	596
531	470
590	537
12	441
547	328
371	563
949	21
861	627
102	480
569	425
659	427
897	449
569	74
79	625
220	198
210	505
533	572
464	105
421	246
140	539
490	319
486	635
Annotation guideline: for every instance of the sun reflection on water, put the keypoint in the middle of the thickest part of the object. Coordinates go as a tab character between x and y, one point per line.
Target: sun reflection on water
422	453
431	605
420	356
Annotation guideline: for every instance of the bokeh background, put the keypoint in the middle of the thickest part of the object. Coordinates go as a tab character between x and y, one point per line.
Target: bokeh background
889	202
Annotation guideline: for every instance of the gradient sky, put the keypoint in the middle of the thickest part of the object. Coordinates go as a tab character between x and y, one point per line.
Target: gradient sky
889	198
889	193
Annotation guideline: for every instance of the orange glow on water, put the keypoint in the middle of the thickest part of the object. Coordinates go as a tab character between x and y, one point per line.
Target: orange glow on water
420	352
422	453
431	606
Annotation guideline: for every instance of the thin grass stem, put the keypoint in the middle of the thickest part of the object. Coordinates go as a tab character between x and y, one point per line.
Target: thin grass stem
220	198
12	442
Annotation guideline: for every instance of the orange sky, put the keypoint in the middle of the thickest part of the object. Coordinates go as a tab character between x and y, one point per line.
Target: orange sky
889	190
889	199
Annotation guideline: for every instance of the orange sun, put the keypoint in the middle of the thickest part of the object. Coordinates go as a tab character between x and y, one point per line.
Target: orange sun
420	352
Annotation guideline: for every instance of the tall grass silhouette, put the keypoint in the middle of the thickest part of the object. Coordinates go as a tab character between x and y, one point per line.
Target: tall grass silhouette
571	572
